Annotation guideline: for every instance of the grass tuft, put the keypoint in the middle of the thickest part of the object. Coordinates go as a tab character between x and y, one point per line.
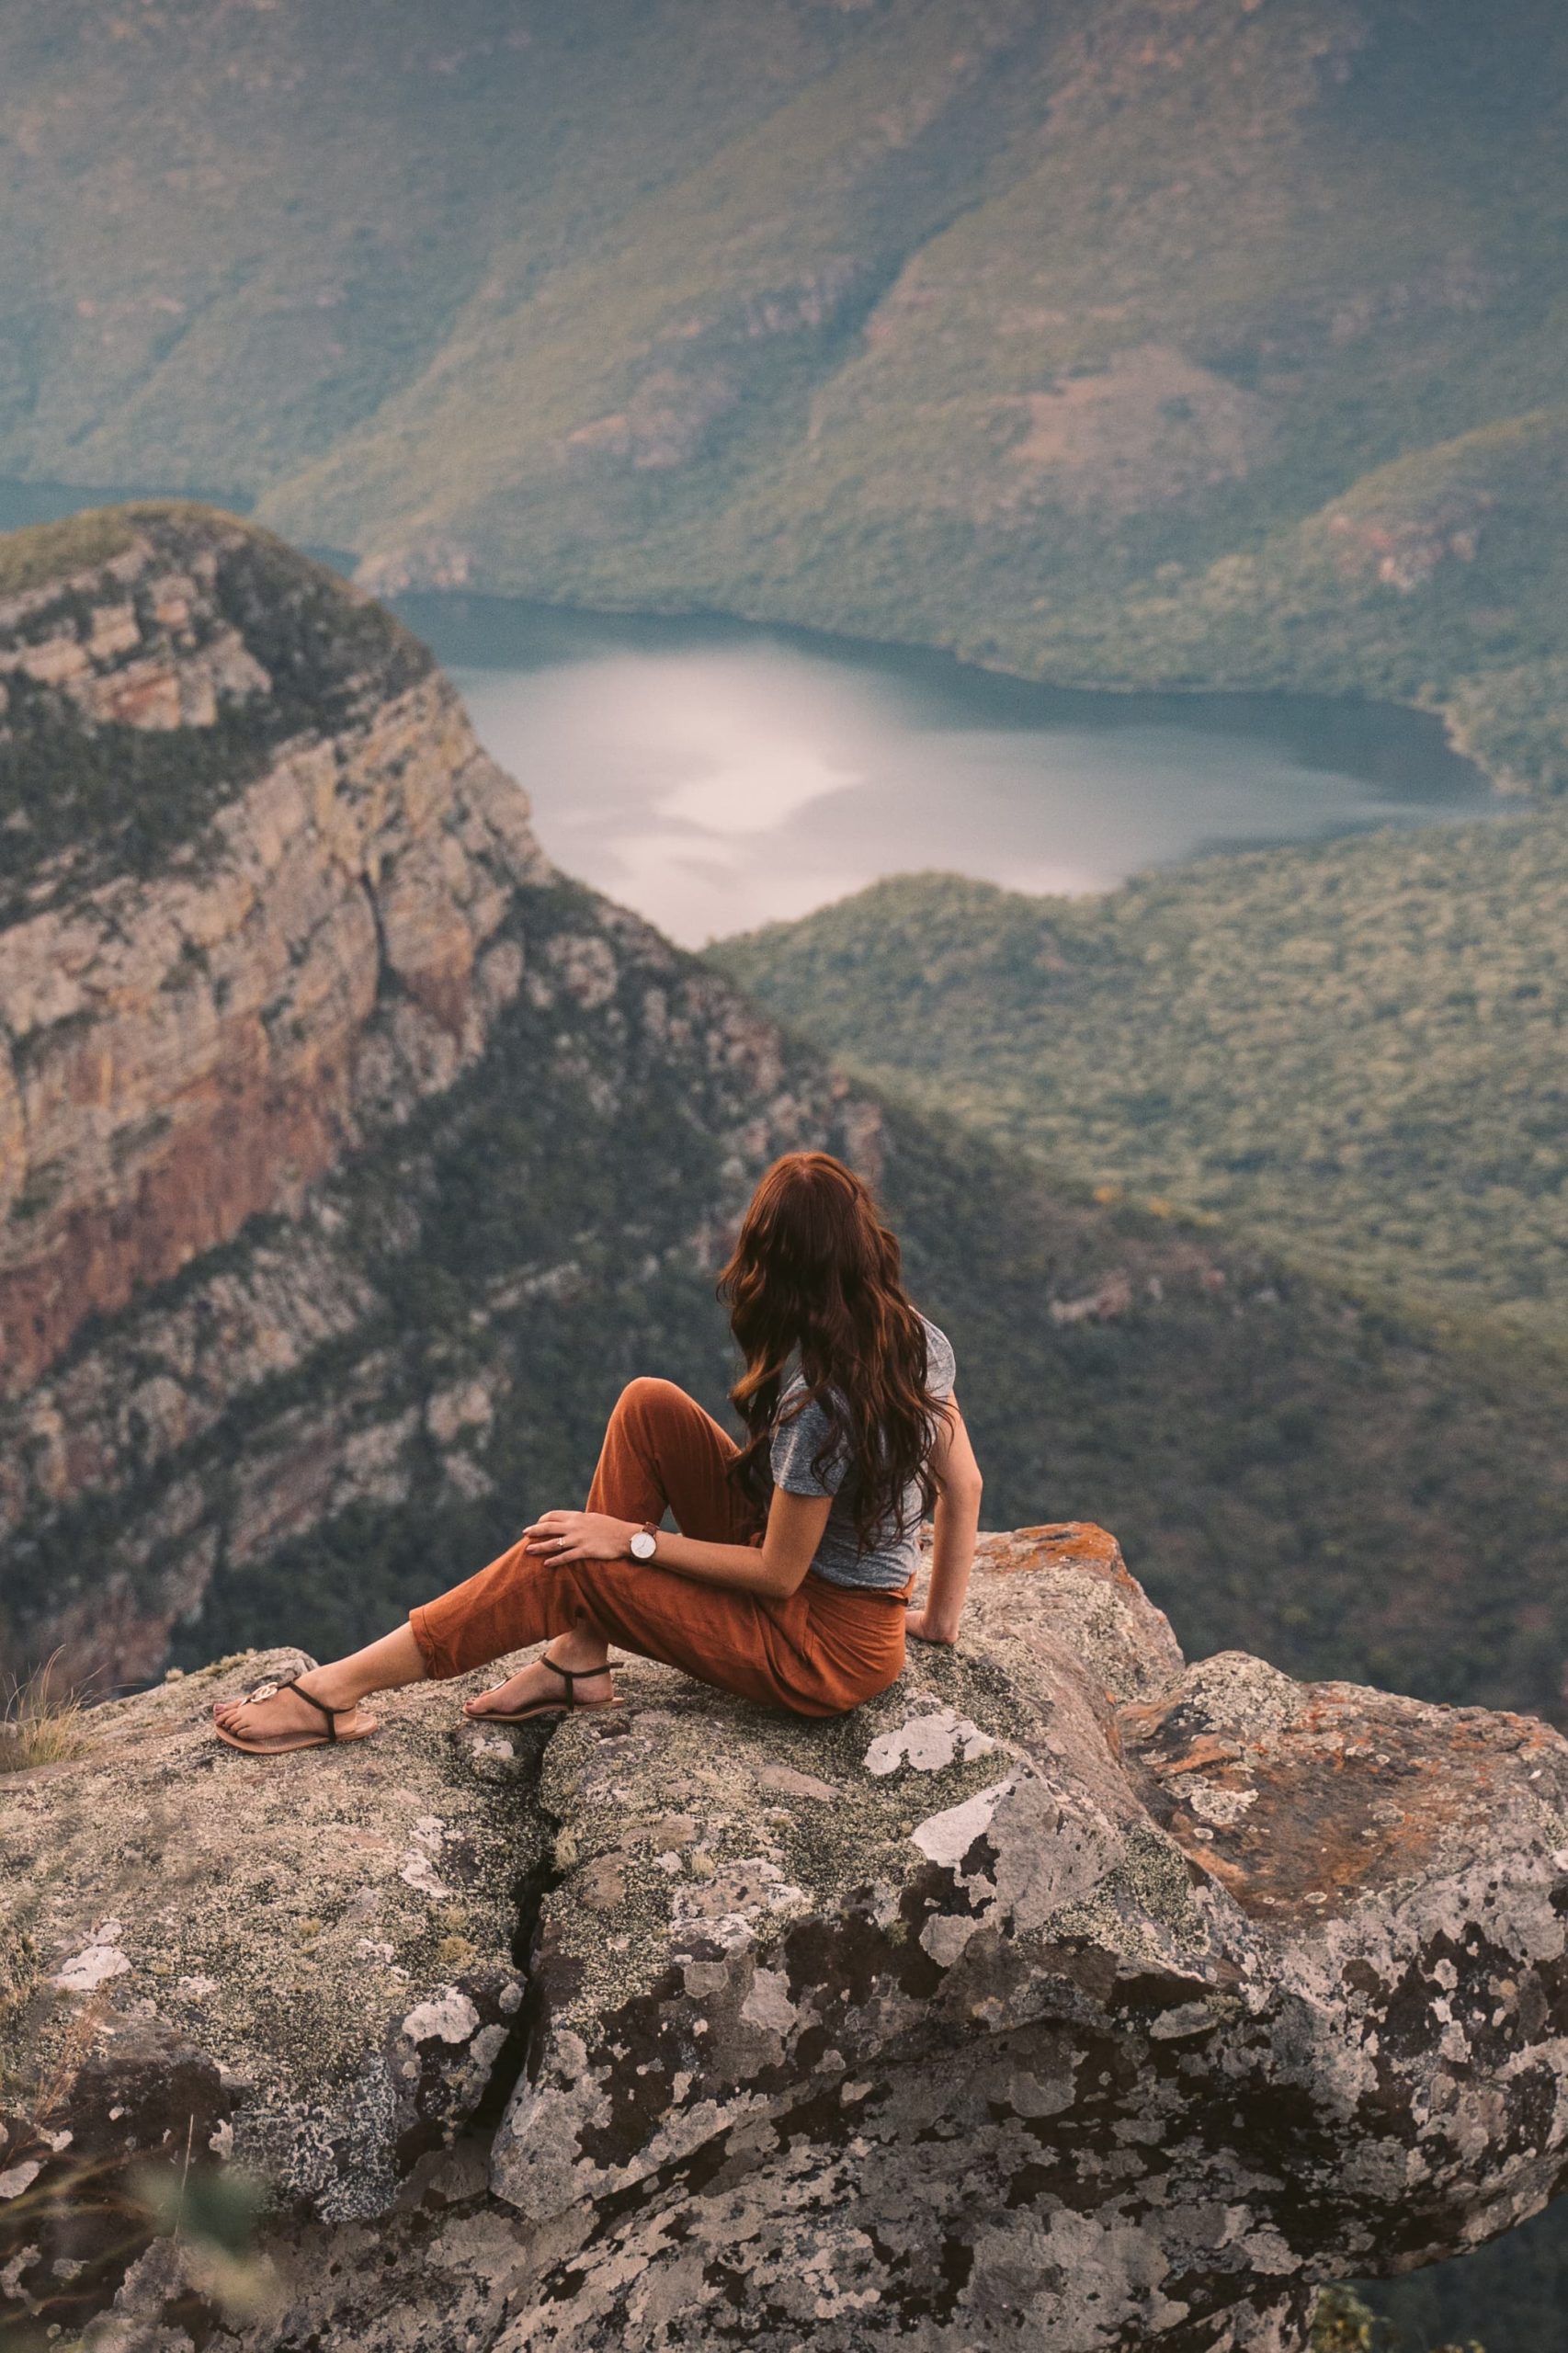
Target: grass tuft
41	1722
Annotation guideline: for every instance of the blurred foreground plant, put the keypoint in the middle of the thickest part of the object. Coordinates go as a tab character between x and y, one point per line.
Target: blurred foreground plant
210	2214
40	1719
1343	2323
79	2232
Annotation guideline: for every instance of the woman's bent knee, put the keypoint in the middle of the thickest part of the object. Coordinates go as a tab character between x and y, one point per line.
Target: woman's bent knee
649	1398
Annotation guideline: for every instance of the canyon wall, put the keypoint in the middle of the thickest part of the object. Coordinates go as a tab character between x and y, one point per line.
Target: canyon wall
264	903
184	1047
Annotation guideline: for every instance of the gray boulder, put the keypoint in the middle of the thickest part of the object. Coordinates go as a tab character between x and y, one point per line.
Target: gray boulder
1064	1989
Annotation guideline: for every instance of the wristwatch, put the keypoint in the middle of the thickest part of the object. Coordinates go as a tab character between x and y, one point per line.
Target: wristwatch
645	1543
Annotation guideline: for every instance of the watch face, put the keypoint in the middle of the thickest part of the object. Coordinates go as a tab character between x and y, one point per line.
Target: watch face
643	1545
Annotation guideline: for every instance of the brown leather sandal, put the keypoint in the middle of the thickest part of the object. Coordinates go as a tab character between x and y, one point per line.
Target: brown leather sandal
287	1743
569	1700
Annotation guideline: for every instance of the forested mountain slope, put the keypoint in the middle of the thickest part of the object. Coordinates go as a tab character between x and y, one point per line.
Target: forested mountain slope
1122	340
1353	1050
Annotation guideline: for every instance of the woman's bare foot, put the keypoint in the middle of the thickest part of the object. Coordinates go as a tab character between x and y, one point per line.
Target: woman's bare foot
536	1687
286	1719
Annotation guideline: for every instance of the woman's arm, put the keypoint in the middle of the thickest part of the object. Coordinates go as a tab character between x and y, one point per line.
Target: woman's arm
959	1485
774	1569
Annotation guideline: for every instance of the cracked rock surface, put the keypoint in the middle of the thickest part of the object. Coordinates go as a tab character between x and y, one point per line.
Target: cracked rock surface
1063	1989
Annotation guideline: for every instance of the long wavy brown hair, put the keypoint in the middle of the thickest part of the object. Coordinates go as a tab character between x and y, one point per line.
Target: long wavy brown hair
815	1276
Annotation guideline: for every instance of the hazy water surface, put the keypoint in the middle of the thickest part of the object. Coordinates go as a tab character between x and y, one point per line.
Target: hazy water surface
717	776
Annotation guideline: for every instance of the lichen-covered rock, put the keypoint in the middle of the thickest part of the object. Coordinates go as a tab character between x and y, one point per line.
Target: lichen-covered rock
1129	2020
1063	1991
303	1966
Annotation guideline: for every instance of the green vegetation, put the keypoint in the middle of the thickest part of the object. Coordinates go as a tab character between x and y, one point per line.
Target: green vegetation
328	652
230	236
1129	345
1505	2297
31	559
1353	1051
1344	2324
1508	2294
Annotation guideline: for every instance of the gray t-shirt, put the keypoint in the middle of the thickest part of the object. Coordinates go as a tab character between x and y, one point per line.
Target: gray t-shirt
796	1442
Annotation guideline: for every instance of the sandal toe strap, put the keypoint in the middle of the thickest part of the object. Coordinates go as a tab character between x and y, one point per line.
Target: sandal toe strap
271	1690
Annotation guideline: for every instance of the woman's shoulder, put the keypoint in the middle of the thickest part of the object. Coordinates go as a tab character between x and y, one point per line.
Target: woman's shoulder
941	1365
797	1404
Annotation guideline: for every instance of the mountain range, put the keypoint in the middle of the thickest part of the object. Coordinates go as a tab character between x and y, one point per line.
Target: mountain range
351	1155
1128	341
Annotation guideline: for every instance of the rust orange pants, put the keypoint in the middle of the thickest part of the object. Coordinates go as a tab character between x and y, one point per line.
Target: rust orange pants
819	1652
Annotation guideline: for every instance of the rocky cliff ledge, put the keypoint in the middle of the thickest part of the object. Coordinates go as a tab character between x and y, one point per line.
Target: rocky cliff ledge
1065	1989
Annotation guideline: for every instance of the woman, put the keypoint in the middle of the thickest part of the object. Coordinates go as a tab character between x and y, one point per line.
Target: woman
788	1578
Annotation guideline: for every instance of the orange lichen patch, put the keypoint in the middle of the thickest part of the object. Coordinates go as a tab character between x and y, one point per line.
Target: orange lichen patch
1075	1574
1349	1794
1069	1543
1231	1876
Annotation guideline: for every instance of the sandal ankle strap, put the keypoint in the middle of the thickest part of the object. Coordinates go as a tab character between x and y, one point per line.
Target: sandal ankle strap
570	1675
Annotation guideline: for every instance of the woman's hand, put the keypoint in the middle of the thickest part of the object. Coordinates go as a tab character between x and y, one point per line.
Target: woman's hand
580	1536
924	1628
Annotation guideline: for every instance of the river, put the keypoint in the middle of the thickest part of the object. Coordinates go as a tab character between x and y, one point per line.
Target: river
717	776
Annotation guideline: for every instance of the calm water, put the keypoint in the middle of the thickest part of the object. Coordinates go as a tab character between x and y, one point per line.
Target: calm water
717	776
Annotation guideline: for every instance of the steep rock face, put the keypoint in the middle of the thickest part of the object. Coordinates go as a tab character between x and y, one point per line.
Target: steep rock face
1063	1987
183	1047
